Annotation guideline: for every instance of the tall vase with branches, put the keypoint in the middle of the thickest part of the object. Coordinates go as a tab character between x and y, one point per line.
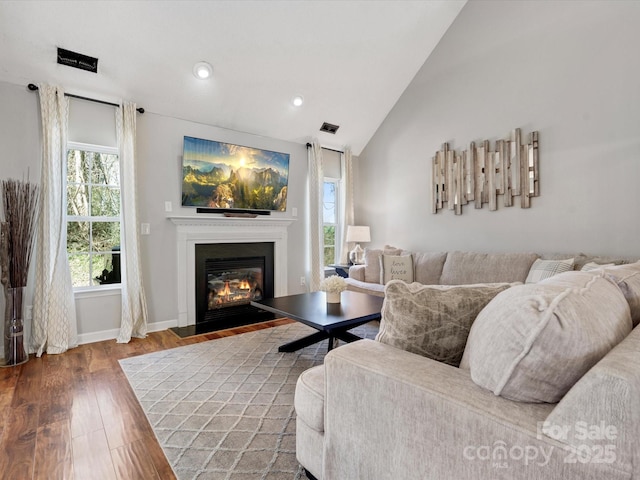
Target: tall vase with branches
16	245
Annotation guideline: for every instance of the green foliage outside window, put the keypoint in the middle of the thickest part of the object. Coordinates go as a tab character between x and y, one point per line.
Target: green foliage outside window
93	209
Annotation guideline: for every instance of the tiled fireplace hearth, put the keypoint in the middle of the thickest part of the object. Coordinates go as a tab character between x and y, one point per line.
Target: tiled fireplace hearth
210	229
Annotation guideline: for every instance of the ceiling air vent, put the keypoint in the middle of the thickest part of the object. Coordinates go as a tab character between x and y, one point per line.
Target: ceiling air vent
329	128
77	60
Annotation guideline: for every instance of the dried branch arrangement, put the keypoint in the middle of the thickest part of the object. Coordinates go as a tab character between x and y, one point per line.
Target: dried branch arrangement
20	201
20	212
479	174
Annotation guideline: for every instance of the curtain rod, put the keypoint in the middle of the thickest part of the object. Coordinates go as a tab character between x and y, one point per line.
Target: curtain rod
325	148
33	87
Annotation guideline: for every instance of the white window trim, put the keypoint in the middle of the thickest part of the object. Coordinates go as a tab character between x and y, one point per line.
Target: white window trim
96	290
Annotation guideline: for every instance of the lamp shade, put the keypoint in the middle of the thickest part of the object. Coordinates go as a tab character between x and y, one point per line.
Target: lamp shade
358	233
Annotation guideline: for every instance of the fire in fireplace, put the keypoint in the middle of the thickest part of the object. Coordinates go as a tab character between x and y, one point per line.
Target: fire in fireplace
235	281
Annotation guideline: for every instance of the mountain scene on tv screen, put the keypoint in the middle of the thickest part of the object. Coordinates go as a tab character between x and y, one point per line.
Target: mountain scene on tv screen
223	175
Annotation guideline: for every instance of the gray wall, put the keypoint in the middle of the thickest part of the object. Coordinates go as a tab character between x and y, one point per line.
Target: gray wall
566	69
160	155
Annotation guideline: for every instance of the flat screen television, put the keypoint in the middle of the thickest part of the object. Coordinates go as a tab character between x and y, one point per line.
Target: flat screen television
226	176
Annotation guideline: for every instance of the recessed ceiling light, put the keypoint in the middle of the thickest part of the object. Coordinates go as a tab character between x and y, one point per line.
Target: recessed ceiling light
297	100
202	70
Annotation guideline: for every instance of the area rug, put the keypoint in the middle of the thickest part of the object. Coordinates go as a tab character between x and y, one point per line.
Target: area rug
223	409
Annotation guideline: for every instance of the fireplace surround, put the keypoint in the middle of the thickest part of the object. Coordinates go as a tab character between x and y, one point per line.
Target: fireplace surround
192	230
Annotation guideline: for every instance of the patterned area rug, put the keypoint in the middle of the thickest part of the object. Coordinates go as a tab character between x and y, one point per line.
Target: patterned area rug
223	409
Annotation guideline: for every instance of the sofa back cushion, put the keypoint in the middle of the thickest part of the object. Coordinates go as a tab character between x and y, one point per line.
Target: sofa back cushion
432	320
627	277
471	267
428	267
531	343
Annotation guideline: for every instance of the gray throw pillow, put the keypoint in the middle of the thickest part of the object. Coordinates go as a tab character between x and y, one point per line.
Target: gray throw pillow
432	320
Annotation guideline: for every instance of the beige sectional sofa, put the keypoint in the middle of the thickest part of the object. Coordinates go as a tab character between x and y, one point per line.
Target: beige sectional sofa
548	386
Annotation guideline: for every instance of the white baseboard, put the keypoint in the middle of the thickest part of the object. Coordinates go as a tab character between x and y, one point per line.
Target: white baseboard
113	333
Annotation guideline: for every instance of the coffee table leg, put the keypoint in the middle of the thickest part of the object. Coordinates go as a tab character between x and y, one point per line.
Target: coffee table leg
303	342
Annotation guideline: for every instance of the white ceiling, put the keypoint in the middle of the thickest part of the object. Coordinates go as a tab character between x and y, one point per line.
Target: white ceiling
351	60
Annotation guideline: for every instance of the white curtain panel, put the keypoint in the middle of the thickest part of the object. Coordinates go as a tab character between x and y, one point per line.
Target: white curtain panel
316	181
134	304
54	327
346	194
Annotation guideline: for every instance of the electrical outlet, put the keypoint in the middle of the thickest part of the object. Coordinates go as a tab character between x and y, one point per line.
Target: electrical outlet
303	281
28	312
168	207
145	229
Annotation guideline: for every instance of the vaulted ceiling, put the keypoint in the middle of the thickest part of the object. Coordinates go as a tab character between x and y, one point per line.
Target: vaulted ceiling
350	60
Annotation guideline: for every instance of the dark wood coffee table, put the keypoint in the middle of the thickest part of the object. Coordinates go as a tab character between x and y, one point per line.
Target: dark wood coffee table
332	320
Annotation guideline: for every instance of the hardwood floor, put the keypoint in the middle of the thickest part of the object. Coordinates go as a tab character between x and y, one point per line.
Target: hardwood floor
74	415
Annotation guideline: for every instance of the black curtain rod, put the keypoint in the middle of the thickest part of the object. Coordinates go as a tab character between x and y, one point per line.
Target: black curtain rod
34	87
325	148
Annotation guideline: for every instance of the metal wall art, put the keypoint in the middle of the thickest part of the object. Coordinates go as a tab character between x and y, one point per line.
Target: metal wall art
479	174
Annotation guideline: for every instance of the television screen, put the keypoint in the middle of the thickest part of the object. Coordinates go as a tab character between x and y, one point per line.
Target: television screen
223	175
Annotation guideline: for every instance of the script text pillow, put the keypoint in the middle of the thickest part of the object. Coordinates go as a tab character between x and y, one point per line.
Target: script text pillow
432	320
542	269
531	343
396	267
372	262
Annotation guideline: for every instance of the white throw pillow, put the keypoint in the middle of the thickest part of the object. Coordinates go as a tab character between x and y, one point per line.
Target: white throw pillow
542	269
396	267
532	342
591	266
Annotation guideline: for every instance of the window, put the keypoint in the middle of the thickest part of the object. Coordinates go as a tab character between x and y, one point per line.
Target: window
330	219
93	215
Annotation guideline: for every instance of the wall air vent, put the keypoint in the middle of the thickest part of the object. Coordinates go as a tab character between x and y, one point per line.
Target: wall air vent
329	128
77	60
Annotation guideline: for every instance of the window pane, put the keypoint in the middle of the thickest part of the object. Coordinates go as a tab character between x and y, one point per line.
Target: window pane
329	255
77	167
79	266
329	203
102	269
329	194
105	201
78	237
77	200
106	169
105	236
329	236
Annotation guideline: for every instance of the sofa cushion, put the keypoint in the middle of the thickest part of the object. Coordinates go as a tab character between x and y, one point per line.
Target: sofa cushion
542	269
532	342
309	398
462	268
372	262
396	267
432	320
627	277
427	267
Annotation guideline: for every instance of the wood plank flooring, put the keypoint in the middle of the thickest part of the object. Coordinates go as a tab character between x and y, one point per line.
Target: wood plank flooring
74	415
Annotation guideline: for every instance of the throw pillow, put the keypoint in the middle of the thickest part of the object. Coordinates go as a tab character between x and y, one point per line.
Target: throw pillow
396	267
532	342
542	269
627	277
591	266
432	320
372	262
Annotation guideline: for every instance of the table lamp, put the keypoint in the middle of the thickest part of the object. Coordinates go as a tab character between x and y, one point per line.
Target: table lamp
357	234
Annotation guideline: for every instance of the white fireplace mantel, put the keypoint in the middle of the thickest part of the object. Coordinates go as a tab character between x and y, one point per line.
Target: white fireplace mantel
211	228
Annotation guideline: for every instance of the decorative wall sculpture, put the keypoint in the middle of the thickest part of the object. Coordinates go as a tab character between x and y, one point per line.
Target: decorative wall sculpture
479	175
